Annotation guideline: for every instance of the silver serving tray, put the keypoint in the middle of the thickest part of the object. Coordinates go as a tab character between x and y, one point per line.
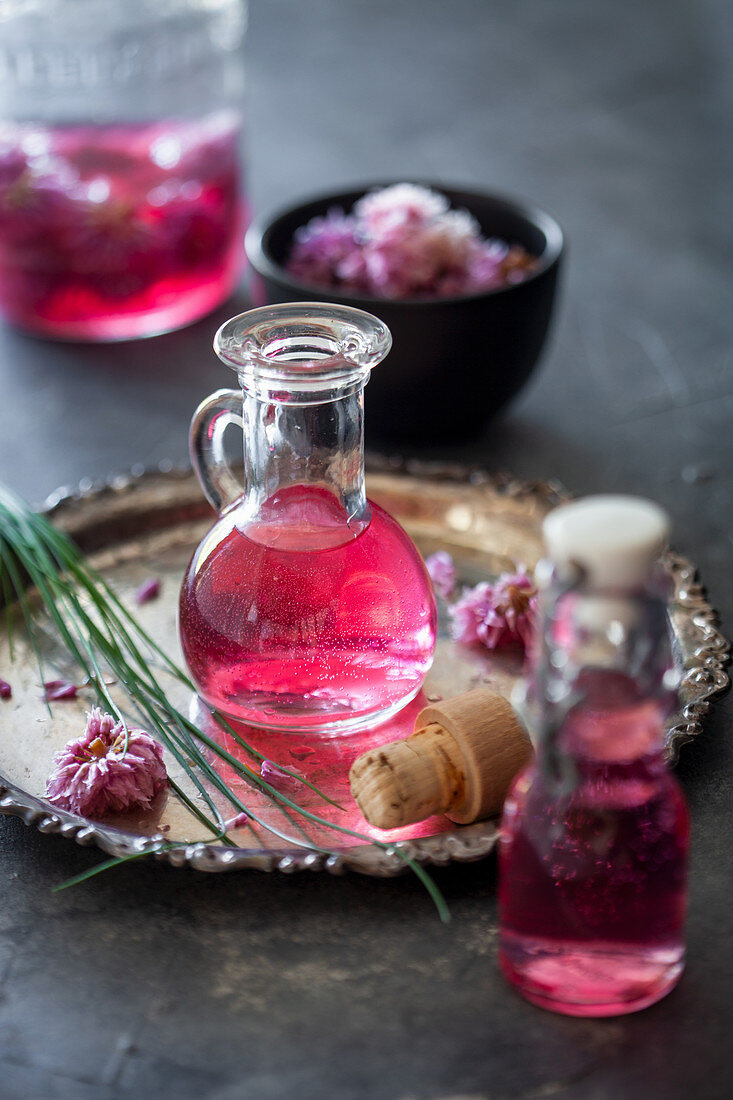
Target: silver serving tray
147	523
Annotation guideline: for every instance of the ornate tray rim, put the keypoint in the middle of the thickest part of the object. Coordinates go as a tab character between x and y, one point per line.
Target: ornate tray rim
706	678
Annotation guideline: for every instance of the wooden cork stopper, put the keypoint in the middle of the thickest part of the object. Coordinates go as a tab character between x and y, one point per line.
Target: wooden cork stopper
460	761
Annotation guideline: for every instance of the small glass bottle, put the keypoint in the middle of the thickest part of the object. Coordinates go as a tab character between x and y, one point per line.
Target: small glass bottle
594	838
121	205
306	607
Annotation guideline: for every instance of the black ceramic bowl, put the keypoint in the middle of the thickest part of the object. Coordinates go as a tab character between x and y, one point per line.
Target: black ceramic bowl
454	361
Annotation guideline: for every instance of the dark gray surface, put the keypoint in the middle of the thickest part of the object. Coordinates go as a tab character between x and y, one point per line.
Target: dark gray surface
151	982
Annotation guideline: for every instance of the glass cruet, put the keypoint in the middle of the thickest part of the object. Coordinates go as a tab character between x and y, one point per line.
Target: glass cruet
306	607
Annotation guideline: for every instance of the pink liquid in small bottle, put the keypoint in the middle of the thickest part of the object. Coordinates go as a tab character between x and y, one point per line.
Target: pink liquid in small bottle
298	621
593	859
115	231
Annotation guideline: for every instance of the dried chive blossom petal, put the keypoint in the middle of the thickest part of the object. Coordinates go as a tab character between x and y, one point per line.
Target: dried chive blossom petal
5	690
96	774
149	590
403	241
57	690
497	614
279	779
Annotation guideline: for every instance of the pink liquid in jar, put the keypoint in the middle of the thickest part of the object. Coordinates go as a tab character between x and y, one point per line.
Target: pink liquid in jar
296	621
116	231
592	890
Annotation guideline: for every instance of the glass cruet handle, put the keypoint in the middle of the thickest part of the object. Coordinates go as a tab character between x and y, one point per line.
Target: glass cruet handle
206	443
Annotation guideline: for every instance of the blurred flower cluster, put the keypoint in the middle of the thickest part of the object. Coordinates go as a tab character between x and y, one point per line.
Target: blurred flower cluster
494	615
404	241
497	614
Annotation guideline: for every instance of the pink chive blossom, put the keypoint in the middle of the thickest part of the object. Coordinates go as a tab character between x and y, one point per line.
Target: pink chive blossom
56	690
325	250
383	211
95	775
497	614
237	822
404	241
442	572
149	590
5	690
279	779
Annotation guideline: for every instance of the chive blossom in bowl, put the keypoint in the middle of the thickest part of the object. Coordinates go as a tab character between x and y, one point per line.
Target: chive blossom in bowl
460	351
404	241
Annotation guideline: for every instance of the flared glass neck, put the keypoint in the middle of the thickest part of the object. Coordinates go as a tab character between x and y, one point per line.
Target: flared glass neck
302	369
303	353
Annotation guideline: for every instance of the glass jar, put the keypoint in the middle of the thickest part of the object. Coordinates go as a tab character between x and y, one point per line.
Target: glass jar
121	206
306	607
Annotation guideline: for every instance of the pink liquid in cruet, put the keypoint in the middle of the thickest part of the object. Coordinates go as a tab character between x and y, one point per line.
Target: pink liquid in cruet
592	890
297	620
115	231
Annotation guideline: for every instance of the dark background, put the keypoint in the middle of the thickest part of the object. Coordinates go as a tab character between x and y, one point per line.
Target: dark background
148	982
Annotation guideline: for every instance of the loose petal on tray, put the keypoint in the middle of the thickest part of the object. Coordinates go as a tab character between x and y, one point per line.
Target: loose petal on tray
279	779
107	770
55	690
236	822
442	572
149	590
5	690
